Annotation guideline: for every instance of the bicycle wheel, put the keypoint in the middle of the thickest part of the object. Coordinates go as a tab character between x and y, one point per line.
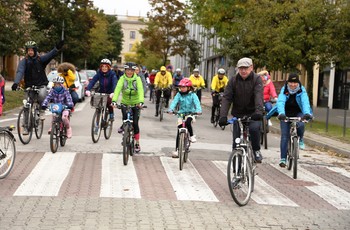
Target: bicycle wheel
96	126
161	104
181	150
7	154
126	144
132	144
264	132
239	177
38	123
107	130
24	123
216	117
295	157
290	155
187	148
54	138
63	136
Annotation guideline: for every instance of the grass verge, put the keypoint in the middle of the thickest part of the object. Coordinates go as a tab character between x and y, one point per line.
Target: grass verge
334	131
14	99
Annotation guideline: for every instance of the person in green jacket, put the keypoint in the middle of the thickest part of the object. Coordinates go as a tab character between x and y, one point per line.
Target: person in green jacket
131	87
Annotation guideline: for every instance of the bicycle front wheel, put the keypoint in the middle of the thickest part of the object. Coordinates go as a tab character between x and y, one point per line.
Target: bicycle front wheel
295	157
161	104
187	148
54	137
24	125
107	130
63	136
126	144
239	177
7	154
181	150
38	124
96	126
264	132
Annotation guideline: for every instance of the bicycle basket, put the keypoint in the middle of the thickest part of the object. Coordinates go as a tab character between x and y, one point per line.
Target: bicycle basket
56	108
95	100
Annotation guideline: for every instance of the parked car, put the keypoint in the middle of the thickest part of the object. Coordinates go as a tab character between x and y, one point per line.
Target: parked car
84	79
79	88
90	73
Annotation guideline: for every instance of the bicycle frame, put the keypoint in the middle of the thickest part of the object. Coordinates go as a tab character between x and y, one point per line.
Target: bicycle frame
100	120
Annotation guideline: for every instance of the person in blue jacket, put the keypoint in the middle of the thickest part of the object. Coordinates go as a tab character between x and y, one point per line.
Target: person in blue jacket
292	101
188	103
107	82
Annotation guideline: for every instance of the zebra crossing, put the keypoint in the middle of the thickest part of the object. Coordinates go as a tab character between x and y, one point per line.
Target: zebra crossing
159	177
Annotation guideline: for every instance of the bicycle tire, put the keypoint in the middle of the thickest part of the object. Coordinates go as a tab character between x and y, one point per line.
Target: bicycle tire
295	157
96	119
187	148
38	124
63	136
132	145
161	110
8	148
181	150
126	143
264	131
289	155
54	138
241	190
25	139
107	130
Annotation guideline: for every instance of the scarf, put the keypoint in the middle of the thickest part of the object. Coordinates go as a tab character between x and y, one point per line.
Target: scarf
293	91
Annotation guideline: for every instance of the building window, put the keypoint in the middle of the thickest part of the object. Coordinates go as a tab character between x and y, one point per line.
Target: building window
132	34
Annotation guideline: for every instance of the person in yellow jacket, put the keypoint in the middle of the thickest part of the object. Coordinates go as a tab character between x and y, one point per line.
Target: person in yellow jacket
218	85
197	82
67	71
163	81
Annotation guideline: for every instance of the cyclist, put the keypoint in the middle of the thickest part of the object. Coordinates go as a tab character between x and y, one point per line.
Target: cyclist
218	85
67	71
169	69
32	69
197	82
107	82
151	78
163	81
188	102
59	94
143	79
177	77
130	85
293	101
245	92
117	71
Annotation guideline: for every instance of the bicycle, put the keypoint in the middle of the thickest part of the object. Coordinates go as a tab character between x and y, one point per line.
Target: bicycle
7	150
29	116
100	119
217	112
264	130
161	105
293	145
58	132
241	165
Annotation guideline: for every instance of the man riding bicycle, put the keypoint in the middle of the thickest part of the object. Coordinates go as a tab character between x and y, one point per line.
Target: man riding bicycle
32	69
108	81
163	81
218	85
245	92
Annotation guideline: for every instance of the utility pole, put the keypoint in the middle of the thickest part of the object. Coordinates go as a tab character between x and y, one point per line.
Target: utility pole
62	38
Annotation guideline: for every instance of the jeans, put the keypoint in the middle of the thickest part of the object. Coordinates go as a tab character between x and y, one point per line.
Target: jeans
254	131
285	135
74	96
268	106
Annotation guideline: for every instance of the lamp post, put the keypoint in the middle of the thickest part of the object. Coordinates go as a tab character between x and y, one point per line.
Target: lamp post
62	38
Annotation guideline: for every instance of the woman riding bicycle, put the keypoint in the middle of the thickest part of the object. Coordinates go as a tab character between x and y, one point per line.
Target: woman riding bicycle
188	103
293	101
218	85
197	82
107	80
59	94
131	87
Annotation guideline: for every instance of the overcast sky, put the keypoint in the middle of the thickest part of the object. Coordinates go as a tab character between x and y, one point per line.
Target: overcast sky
123	7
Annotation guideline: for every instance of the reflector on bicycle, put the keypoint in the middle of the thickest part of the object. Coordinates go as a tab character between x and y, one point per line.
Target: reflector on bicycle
56	108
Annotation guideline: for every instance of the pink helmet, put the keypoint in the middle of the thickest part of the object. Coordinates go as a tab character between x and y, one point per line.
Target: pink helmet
185	82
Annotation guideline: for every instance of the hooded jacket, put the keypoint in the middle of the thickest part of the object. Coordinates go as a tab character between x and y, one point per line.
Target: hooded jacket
188	103
108	81
131	89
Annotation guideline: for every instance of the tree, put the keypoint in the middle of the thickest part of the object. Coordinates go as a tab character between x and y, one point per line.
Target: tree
166	31
193	53
115	35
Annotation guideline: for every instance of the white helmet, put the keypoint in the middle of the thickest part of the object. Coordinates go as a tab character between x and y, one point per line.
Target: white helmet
221	71
196	70
58	79
178	70
106	61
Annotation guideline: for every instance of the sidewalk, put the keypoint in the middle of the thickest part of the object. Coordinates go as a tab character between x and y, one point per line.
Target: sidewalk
310	139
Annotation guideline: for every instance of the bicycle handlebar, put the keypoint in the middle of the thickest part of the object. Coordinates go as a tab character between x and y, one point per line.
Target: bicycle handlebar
291	119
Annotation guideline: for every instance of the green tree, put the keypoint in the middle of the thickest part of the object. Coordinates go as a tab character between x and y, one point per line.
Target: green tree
193	53
115	35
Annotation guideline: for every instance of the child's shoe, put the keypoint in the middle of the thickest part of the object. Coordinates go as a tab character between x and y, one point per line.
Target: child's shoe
69	132
193	139
175	154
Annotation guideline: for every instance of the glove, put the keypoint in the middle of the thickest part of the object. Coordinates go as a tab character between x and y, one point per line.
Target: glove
114	104
14	86
223	121
213	93
87	93
140	105
256	117
43	107
59	44
281	117
72	86
111	95
307	117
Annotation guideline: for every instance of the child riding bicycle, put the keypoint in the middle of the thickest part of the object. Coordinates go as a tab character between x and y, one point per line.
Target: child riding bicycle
188	104
59	94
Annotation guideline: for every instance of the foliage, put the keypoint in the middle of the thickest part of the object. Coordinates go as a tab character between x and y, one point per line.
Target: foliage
193	53
13	100
115	35
144	57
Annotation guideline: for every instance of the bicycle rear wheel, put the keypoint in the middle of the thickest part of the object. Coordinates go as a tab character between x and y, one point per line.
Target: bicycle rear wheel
264	132
107	130
295	157
239	177
38	123
54	138
96	126
7	154
126	144
181	150
24	124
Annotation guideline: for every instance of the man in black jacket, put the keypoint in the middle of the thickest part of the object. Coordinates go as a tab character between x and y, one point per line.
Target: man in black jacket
245	92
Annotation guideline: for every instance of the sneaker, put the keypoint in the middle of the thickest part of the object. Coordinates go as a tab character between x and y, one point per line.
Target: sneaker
111	116
175	154
193	139
69	132
137	148
120	130
301	144
283	163
156	115
25	131
258	156
42	117
49	131
235	182
212	120
269	122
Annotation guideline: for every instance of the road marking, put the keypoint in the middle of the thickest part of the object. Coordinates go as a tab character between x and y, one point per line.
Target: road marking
263	192
118	180
187	184
47	176
341	171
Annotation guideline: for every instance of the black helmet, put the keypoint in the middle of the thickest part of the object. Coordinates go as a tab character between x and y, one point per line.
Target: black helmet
31	44
130	65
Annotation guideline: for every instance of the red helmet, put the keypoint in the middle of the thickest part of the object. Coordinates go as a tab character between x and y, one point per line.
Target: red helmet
185	82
